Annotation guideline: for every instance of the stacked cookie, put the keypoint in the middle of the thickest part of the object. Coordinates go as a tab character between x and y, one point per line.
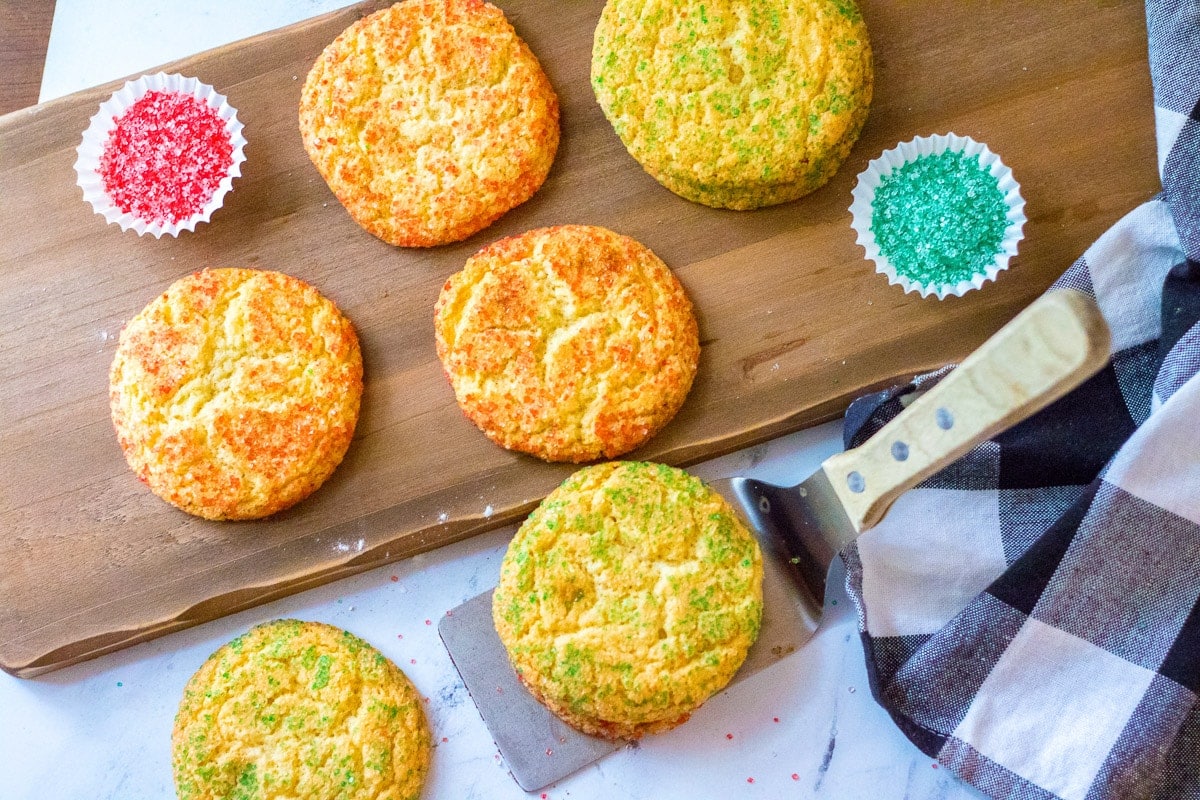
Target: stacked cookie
628	598
734	104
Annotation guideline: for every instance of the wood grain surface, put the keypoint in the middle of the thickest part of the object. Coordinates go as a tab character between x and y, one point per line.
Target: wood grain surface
24	36
793	321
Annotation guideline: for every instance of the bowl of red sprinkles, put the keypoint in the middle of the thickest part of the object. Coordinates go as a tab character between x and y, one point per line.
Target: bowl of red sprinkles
160	155
939	215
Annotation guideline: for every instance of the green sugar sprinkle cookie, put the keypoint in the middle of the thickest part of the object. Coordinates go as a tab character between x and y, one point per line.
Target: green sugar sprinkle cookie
734	104
299	709
938	215
630	596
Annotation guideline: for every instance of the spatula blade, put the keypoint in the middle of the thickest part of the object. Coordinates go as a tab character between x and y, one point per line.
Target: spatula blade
537	746
802	527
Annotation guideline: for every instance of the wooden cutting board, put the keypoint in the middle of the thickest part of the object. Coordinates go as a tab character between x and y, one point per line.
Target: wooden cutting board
794	322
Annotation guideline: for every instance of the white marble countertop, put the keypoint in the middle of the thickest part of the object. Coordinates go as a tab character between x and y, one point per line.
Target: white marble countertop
805	727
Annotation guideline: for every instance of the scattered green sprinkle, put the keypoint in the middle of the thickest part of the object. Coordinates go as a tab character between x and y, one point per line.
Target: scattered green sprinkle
939	219
322	677
247	783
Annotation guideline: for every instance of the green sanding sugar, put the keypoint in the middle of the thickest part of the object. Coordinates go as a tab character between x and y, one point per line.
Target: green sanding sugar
939	219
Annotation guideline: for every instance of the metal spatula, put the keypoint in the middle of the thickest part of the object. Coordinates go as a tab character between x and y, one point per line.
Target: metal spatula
1051	347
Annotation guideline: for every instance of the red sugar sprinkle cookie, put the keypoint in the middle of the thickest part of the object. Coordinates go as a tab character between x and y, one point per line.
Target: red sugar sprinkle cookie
160	154
235	393
429	120
570	343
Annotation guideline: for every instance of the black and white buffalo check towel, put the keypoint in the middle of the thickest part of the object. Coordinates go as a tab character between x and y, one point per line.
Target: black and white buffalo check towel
1031	615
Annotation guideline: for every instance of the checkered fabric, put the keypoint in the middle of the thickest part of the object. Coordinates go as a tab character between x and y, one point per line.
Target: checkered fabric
1031	615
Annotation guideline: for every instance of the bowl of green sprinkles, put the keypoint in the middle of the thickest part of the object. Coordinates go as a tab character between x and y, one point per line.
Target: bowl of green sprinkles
939	215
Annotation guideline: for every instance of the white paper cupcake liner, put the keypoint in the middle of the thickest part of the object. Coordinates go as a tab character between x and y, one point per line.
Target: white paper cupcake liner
87	165
862	209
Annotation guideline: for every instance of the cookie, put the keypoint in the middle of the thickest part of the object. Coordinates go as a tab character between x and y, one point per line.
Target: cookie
733	104
569	343
235	393
299	709
630	596
429	120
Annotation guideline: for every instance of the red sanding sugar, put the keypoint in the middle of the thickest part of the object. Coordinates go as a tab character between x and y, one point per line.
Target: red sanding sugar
166	157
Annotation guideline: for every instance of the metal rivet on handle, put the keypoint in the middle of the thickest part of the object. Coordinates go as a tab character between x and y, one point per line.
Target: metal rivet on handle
899	451
945	420
856	483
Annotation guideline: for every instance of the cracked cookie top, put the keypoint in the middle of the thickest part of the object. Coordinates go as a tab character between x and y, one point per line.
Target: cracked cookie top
630	596
570	343
429	120
299	709
734	104
235	393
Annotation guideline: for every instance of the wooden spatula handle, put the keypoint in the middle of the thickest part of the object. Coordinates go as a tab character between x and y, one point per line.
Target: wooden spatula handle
1045	351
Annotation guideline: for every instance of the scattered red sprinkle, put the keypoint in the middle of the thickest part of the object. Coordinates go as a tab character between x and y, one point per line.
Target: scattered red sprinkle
776	719
445	739
450	613
412	661
428	622
549	751
166	157
544	796
395	579
729	736
749	780
399	635
795	776
934	765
